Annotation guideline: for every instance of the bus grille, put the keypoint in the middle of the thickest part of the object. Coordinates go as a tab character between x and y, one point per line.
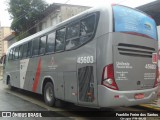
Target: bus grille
135	50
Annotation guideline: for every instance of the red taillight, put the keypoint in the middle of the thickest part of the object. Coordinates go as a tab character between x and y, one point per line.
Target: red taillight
159	54
108	77
156	79
154	58
114	4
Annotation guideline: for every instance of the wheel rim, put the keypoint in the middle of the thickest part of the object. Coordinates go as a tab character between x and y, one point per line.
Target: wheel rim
49	94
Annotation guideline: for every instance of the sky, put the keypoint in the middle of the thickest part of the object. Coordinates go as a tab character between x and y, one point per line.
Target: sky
5	19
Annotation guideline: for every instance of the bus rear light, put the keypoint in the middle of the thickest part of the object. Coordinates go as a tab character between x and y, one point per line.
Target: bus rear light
154	58
159	54
116	96
156	83
108	77
114	4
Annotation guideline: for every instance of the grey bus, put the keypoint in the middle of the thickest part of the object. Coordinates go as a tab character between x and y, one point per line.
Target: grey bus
103	57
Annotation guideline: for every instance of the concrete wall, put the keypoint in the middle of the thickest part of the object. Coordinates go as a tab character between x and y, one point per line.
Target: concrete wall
10	42
4	31
58	15
69	11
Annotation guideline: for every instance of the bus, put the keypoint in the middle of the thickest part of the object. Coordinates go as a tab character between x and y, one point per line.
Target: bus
102	57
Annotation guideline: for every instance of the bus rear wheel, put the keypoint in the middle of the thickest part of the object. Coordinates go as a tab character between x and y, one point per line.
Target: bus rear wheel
49	97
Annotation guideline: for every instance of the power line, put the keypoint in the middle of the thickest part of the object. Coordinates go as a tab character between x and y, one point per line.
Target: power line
38	22
121	1
66	1
23	15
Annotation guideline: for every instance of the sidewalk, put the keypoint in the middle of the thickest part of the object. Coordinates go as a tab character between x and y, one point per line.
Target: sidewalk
155	105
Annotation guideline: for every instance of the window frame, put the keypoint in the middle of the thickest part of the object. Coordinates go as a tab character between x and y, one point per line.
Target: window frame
23	57
64	27
29	56
10	56
95	26
13	56
73	38
17	47
20	57
35	39
53	31
96	14
40	44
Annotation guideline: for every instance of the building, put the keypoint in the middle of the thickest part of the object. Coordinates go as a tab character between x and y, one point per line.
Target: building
153	10
4	31
56	13
10	39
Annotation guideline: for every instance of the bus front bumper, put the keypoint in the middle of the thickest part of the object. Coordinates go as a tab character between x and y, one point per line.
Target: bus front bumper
113	98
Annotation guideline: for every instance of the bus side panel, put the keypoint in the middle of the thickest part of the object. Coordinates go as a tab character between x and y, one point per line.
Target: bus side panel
59	85
104	58
15	75
70	86
65	64
61	68
47	71
86	74
104	55
31	72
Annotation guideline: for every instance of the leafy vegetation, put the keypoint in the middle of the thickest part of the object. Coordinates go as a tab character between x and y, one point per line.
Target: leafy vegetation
25	14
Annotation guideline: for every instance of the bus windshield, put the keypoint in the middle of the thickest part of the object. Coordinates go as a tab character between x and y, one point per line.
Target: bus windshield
130	20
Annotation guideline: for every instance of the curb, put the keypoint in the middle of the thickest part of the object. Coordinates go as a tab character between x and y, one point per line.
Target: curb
151	107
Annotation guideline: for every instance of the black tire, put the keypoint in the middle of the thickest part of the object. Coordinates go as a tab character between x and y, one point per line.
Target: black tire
9	83
49	97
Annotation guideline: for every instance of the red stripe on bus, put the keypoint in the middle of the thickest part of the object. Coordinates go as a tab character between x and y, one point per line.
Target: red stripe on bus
36	81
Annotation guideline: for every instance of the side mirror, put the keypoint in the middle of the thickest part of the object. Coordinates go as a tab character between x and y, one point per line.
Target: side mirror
3	59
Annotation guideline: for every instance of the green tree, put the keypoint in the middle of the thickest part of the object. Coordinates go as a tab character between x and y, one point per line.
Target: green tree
25	14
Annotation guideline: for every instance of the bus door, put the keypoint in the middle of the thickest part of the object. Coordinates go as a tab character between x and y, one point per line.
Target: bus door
87	84
23	70
15	69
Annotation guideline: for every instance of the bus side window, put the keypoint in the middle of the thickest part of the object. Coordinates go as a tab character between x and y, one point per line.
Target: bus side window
42	45
60	36
51	42
13	54
25	47
20	51
16	51
35	50
29	49
10	54
72	36
87	28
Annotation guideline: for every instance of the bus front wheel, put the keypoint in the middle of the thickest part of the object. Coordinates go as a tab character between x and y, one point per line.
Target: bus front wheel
9	82
49	97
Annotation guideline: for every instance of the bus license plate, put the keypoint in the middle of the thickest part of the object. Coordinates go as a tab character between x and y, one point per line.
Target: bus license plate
139	96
